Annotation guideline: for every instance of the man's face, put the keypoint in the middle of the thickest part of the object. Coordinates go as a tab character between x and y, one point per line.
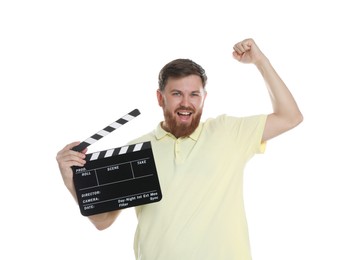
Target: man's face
182	102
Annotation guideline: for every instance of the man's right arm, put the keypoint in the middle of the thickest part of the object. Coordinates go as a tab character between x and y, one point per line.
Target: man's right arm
67	158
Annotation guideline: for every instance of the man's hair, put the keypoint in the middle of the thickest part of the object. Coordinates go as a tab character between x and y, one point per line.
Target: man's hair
180	68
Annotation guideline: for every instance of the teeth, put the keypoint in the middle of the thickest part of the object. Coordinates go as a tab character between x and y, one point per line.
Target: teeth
184	113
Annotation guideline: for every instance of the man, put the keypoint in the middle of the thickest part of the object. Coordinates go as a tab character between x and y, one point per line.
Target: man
200	165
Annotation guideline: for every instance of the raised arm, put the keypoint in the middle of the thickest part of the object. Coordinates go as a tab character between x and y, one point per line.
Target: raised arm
286	114
67	158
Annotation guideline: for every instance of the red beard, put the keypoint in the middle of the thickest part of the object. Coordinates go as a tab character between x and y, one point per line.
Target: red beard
181	130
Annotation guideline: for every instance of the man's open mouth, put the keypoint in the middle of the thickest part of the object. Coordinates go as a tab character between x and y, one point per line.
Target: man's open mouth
184	113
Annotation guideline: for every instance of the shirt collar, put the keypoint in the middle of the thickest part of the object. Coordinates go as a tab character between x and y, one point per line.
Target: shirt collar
160	132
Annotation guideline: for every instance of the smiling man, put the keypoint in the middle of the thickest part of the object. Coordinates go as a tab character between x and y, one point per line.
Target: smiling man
181	95
200	165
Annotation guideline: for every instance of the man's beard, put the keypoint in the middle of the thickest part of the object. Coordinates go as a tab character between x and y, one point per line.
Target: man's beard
181	130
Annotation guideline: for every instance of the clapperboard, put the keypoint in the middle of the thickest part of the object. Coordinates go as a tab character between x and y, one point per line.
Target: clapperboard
117	178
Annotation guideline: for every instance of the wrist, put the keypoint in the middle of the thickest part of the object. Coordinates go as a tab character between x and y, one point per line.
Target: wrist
263	64
262	61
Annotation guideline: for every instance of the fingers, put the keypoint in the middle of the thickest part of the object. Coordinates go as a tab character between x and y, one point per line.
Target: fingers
241	47
247	51
67	158
236	55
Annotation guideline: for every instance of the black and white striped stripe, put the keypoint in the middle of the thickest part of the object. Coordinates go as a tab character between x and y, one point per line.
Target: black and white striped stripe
107	130
118	151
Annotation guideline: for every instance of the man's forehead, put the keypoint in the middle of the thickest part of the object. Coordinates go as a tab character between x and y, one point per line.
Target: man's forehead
192	83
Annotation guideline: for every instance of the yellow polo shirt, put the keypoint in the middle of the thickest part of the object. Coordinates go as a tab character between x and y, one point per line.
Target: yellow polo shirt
201	215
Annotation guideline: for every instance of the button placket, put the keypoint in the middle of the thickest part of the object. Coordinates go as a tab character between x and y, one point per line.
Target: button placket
177	149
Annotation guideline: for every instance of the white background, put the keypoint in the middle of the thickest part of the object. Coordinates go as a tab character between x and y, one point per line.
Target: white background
69	68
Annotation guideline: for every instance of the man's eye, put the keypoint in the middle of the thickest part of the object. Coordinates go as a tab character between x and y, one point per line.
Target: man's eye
176	94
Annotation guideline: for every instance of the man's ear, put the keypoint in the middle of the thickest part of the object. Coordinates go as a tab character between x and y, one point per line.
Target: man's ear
159	98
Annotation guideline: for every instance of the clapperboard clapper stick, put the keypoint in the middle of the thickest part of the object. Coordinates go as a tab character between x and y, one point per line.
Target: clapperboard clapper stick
116	178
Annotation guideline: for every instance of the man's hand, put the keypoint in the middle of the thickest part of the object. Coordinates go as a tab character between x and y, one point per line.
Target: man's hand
247	51
67	158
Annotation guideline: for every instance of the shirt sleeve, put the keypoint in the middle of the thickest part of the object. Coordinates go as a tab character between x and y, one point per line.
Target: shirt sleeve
261	123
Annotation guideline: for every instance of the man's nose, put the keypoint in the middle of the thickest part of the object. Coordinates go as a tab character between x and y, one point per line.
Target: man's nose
185	101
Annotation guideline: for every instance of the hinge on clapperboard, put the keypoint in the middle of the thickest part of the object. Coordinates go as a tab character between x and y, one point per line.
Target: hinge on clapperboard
116	178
